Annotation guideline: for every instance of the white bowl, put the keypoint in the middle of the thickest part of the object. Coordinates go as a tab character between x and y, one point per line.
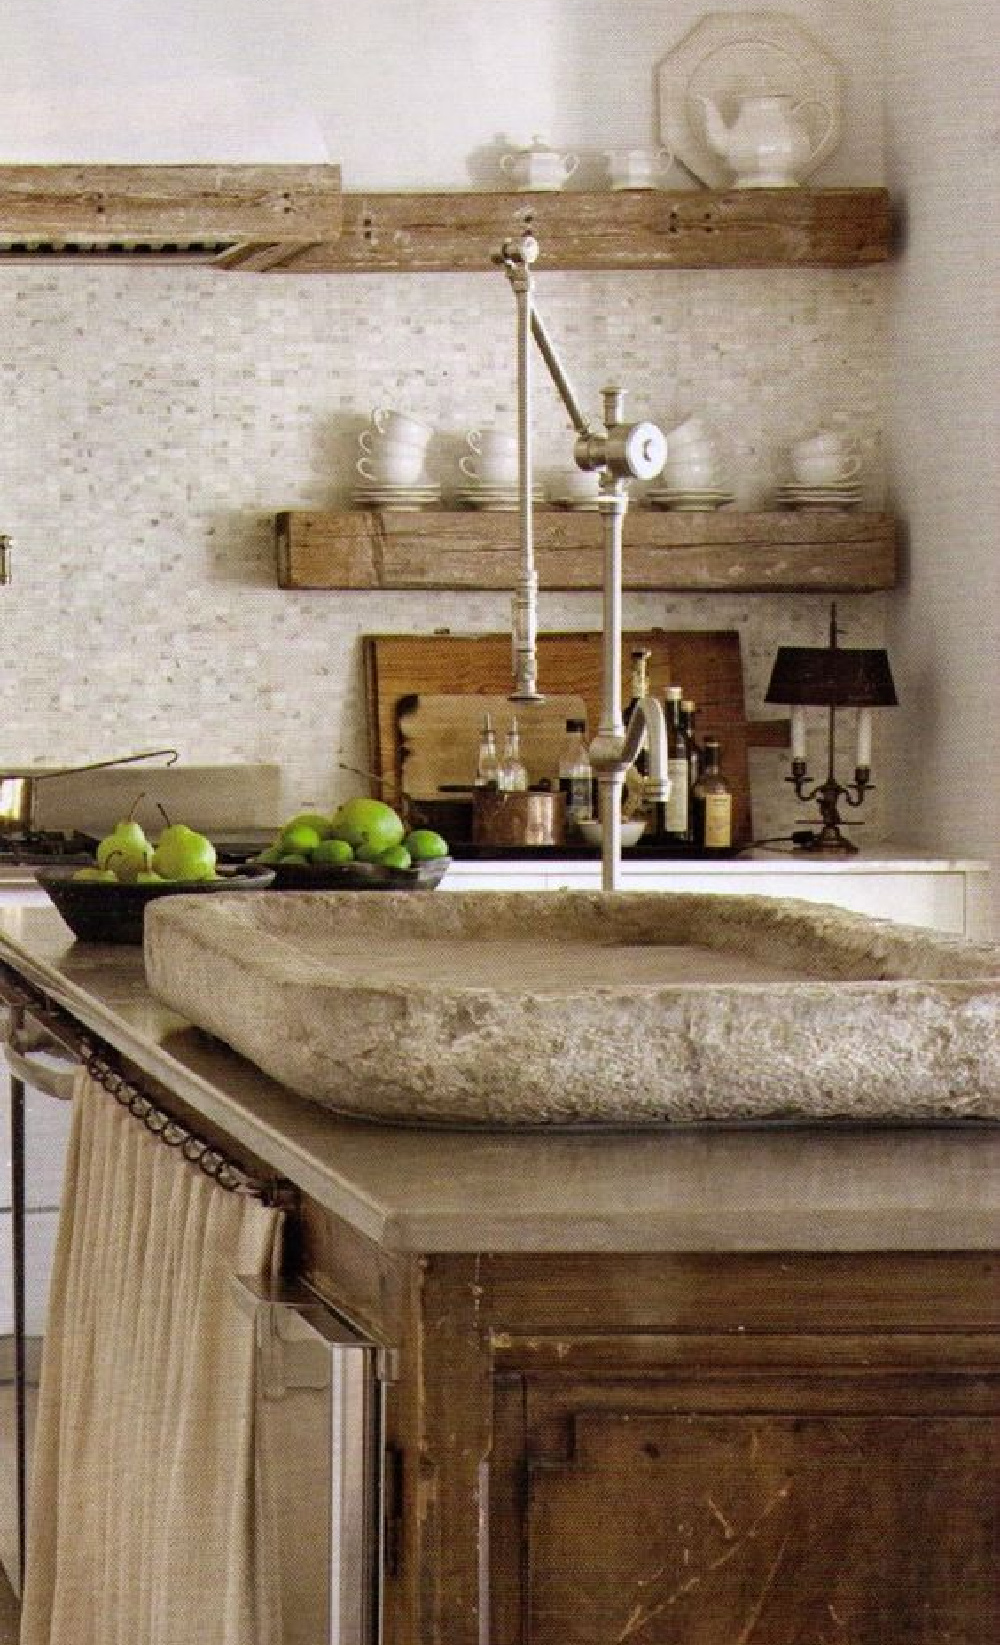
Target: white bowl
631	832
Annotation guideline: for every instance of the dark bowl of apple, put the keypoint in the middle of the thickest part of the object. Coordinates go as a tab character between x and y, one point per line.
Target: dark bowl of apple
112	910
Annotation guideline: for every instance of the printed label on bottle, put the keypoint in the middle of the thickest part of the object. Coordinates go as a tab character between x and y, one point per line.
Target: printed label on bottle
677	800
718	821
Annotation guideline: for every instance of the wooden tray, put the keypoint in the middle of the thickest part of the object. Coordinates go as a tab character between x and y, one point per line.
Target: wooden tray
707	663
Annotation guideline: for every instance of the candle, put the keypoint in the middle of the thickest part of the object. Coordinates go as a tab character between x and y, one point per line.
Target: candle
865	736
798	732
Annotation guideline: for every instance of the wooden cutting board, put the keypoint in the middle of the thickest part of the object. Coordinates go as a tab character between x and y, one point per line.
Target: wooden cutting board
707	663
439	737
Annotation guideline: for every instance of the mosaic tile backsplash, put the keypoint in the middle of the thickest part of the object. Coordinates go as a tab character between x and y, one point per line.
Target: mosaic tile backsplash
155	420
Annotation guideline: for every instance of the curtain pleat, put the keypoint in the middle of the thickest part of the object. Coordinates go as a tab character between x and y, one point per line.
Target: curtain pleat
141	1508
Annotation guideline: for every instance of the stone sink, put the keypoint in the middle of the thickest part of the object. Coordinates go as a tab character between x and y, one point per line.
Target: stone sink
575	1009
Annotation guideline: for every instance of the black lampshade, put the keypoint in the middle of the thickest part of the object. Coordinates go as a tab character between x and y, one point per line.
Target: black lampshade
823	676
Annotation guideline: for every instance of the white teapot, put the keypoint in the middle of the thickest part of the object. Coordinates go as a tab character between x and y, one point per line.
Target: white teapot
539	166
767	142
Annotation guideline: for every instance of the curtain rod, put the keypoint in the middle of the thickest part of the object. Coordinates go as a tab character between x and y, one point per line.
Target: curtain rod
104	1065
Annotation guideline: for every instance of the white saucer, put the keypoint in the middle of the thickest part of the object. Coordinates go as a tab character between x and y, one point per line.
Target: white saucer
395	496
832	496
689	500
495	497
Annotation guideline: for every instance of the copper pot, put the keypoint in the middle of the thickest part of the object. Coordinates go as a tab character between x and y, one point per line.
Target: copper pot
537	817
18	786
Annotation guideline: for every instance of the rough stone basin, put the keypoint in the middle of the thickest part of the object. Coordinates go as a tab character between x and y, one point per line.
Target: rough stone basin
570	1008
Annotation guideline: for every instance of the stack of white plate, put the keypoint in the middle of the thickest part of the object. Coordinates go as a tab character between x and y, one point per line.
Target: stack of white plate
505	498
847	494
691	501
396	496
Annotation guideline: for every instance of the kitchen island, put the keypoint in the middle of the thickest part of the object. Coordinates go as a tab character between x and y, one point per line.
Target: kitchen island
658	1386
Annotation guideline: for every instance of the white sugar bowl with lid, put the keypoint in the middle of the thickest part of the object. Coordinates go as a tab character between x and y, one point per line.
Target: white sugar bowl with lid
538	166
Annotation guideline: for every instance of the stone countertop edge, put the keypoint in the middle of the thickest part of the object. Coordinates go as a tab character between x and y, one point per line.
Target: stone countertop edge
810	1188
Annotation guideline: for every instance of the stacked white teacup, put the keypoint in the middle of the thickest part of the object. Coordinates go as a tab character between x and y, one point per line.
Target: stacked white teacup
392	462
825	468
690	475
489	469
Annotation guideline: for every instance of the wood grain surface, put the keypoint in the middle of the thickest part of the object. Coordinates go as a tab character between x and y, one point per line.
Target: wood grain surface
811	549
707	663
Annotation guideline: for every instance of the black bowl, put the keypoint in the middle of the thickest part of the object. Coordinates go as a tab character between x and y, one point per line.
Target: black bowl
359	876
105	911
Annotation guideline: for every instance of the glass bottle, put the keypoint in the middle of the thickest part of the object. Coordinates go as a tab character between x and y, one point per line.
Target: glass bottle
486	763
688	712
575	775
677	812
712	804
512	773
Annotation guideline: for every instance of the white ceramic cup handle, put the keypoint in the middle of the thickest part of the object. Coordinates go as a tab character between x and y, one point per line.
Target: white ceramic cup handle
474	440
817	102
570	163
366	440
379	417
851	466
664	160
508	162
364	467
468	468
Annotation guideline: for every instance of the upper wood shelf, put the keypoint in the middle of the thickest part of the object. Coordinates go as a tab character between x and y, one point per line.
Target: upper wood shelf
102	208
814	550
638	229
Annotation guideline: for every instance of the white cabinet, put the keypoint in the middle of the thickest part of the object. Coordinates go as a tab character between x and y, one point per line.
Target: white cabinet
943	893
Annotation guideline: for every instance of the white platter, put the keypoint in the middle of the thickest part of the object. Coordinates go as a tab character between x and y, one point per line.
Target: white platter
731	55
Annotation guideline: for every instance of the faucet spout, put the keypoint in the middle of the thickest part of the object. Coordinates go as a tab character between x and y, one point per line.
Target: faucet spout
648	728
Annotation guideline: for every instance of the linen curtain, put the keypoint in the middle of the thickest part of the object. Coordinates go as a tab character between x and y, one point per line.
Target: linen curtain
141	1514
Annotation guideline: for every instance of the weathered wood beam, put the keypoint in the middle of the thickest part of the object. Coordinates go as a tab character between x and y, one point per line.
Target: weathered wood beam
202	202
822	550
637	229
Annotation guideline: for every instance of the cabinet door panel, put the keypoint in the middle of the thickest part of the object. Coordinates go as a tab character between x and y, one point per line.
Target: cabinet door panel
693	1530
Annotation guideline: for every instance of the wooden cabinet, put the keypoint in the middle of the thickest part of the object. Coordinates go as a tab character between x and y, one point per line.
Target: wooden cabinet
694	1448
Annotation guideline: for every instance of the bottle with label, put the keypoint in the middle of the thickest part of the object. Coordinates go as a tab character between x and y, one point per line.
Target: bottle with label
677	812
512	773
486	763
712	804
575	775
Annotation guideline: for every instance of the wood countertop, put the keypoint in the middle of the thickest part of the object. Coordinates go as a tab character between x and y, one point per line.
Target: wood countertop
816	1188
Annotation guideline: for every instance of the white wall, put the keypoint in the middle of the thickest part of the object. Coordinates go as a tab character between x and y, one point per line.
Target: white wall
943	148
404	93
155	420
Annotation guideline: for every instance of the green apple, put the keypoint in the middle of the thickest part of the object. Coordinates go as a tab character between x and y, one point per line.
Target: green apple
332	852
183	854
300	838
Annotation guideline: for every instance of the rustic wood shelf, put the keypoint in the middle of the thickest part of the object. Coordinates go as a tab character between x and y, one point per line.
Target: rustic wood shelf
260	206
812	550
627	229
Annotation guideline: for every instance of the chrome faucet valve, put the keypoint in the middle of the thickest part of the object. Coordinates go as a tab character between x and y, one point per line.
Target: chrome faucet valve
630	451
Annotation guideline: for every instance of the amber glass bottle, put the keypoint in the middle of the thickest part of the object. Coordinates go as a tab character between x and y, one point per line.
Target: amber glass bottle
712	803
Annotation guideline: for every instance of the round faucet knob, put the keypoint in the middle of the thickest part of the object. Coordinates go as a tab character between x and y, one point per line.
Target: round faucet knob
645	450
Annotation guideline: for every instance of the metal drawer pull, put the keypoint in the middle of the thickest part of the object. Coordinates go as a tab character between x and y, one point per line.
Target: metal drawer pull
318	1423
43	1076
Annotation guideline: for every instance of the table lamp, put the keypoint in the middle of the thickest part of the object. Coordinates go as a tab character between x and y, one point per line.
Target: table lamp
830	677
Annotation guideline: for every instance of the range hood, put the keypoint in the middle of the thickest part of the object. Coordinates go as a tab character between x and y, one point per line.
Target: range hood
225	214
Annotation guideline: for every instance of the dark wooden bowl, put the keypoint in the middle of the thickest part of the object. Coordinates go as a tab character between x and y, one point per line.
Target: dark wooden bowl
359	876
101	911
